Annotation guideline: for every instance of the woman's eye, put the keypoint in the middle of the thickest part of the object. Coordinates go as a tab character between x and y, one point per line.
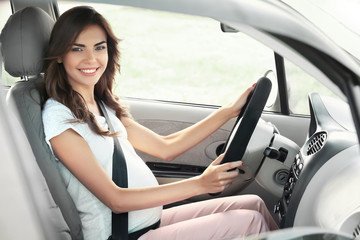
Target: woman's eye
76	49
100	47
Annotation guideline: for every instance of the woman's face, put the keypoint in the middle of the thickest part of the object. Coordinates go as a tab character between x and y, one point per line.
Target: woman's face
87	60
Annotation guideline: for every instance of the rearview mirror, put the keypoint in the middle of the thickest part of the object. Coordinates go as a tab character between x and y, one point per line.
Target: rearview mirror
271	102
227	28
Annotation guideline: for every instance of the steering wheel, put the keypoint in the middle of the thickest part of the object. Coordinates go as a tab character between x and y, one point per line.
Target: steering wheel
250	114
243	129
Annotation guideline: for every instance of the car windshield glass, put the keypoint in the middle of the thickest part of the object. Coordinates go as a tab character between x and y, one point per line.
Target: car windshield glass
338	19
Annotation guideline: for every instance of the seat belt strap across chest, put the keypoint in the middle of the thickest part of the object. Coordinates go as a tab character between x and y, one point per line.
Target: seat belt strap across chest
119	222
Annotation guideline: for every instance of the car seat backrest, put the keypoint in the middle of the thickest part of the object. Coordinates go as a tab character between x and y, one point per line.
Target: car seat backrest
23	43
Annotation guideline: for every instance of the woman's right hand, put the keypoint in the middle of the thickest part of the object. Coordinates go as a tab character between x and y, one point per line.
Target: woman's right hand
216	176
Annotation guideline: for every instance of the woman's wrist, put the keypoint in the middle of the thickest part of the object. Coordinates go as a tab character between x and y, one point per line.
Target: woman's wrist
229	112
198	185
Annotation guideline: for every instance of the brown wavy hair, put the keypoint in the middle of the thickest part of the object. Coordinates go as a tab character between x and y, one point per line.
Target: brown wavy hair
66	29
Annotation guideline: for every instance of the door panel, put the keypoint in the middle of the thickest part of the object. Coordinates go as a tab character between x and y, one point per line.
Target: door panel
165	118
202	154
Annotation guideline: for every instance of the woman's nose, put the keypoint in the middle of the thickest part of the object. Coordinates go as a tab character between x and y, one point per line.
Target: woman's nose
90	56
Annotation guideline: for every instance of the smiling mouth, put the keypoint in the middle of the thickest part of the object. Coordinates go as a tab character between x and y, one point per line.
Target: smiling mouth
89	70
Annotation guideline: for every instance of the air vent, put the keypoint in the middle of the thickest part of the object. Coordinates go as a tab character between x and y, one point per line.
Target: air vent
316	143
356	232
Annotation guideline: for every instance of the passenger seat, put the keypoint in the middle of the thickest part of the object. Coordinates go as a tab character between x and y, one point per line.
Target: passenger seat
23	43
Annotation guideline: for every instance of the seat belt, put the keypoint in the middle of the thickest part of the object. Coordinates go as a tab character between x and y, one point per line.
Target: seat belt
119	222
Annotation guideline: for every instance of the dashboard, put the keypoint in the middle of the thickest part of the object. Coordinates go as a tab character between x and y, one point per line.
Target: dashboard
320	187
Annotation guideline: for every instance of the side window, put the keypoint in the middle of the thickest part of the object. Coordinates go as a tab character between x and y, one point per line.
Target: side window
175	57
189	60
5	13
300	84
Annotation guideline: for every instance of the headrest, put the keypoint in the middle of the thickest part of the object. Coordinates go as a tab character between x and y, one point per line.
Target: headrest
23	41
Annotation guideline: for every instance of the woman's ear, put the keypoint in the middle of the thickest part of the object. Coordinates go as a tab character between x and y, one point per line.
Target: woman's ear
59	60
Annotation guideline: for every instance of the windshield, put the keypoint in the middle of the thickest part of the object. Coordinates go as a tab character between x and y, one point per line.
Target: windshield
338	19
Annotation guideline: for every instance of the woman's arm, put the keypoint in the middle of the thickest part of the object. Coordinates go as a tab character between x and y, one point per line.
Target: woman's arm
168	147
76	155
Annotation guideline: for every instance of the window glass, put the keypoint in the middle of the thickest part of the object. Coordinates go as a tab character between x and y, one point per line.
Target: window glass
334	17
5	12
175	57
300	84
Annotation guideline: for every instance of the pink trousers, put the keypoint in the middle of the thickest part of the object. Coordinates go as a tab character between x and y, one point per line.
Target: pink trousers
220	218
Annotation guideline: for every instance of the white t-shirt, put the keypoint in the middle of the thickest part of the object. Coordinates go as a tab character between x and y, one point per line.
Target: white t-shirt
95	216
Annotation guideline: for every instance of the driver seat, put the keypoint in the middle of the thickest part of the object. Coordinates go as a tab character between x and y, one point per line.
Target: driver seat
23	43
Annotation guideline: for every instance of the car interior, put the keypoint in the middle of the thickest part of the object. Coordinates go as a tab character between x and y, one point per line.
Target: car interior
300	166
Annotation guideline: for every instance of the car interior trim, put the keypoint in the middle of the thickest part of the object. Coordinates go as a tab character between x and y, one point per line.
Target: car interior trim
281	77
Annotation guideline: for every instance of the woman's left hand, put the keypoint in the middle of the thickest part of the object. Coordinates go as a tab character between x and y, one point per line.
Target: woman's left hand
239	103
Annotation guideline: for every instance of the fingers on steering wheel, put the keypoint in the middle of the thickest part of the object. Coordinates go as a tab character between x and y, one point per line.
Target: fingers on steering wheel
231	165
218	160
228	177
